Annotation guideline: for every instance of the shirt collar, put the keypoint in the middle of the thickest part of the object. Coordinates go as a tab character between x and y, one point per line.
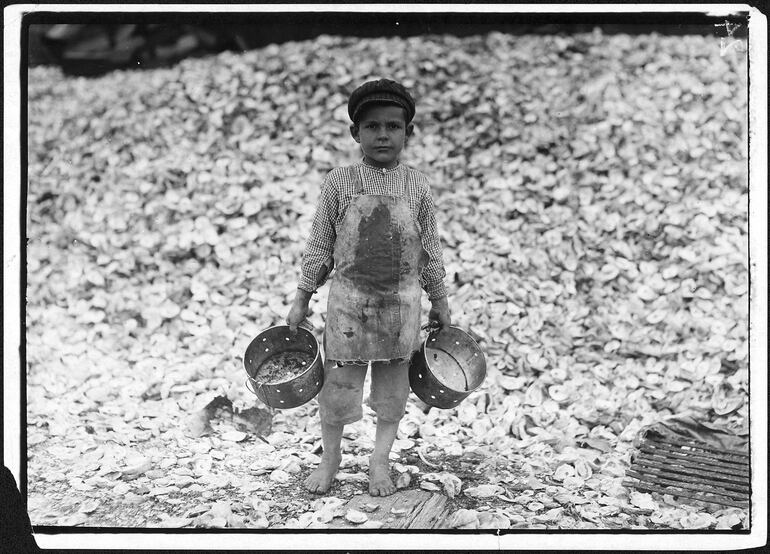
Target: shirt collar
381	169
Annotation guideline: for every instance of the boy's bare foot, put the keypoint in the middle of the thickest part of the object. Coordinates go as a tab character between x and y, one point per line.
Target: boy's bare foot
321	479
380	483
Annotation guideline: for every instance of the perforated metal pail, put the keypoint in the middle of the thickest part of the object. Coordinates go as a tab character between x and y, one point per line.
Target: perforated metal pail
447	368
295	391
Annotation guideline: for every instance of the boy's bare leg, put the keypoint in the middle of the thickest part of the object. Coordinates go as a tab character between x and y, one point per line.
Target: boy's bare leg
321	479
380	483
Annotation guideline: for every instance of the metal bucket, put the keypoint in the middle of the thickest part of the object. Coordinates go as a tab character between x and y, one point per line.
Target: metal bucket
447	368
267	350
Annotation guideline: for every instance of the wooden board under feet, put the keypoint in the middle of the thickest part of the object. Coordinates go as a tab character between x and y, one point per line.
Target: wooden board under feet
412	509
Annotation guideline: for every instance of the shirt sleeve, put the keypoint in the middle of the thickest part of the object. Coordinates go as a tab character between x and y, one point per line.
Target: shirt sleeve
320	243
433	273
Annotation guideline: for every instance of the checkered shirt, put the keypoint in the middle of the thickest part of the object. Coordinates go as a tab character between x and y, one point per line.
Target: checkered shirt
338	190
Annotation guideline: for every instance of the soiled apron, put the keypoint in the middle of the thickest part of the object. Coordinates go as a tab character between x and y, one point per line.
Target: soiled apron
374	300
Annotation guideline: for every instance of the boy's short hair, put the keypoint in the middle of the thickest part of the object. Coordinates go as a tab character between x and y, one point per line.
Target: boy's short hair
381	91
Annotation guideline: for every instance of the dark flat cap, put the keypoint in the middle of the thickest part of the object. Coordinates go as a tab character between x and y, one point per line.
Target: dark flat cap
379	92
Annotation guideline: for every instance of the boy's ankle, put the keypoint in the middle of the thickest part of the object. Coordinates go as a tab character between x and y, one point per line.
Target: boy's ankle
379	461
332	455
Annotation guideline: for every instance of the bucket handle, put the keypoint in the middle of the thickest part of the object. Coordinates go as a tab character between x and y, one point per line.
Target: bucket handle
306	324
251	390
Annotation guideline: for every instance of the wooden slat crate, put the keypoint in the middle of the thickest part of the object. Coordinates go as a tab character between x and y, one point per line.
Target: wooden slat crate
690	469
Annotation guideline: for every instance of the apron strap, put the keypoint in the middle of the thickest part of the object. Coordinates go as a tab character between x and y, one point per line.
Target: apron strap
358	180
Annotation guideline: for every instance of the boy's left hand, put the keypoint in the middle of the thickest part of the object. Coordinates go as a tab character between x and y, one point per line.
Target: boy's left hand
439	312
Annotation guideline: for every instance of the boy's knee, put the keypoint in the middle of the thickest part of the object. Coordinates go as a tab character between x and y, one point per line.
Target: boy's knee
340	418
339	407
390	391
340	397
391	411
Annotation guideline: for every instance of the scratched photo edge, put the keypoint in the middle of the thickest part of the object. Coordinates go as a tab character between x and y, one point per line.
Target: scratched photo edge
9	238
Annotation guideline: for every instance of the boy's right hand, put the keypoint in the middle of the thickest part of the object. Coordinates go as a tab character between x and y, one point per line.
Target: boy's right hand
298	311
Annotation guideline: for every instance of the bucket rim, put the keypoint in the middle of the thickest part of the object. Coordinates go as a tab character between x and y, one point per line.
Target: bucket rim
475	344
298	375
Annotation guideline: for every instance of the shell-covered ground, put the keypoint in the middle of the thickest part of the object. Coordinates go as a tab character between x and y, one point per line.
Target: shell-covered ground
592	197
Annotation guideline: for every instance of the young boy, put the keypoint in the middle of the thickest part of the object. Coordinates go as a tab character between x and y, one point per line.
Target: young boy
376	218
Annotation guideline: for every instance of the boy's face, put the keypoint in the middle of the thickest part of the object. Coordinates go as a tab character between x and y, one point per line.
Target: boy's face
382	132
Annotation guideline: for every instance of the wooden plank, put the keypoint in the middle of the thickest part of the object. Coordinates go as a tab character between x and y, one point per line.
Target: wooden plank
410	509
669	471
723	457
685	494
688	469
432	515
680	485
719	464
667	439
